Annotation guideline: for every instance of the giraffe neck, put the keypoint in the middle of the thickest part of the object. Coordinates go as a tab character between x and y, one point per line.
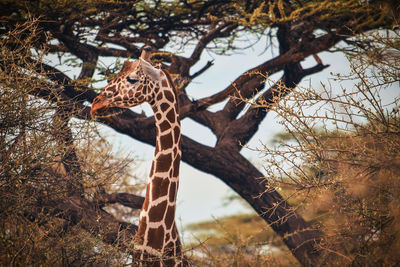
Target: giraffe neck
157	233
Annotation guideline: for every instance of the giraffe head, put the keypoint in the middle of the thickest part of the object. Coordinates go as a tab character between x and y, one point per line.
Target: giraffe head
131	87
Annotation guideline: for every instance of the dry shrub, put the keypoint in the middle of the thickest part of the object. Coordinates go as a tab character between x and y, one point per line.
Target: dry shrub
45	157
339	159
239	240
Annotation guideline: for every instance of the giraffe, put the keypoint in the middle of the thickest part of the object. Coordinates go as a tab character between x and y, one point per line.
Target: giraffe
156	241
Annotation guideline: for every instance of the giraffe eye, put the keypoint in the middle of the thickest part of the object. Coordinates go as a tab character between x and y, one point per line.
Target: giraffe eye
131	80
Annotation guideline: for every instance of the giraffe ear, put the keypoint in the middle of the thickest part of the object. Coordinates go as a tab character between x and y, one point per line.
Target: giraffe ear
149	70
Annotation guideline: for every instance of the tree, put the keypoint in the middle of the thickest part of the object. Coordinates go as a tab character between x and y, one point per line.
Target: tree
336	163
82	32
338	158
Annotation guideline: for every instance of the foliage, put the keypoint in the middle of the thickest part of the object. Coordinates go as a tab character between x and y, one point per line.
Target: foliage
40	165
339	158
326	12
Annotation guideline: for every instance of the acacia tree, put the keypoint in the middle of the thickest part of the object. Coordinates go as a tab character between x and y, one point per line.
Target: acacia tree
339	156
84	31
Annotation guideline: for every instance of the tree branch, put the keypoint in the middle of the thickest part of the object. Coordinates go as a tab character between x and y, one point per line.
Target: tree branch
125	199
202	70
250	80
222	30
239	132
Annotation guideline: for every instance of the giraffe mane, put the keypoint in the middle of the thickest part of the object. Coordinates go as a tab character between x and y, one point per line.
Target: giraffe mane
174	88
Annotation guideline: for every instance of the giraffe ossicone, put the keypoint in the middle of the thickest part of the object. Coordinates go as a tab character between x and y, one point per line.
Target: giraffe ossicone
156	242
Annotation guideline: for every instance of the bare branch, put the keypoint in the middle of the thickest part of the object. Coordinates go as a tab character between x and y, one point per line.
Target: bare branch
202	70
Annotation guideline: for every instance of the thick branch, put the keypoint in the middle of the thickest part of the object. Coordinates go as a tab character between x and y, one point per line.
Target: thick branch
222	30
125	199
70	88
132	50
238	132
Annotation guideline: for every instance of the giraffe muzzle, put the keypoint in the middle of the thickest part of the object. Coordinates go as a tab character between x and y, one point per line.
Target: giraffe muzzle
99	106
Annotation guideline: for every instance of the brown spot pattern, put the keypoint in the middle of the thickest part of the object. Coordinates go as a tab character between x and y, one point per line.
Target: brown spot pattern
170	216
176	166
112	89
172	192
163	162
169	247
169	96
159	187
166	141
177	133
174	231
178	250
146	200
156	213
141	231
154	239
152	168
171	116
164	107
167	237
164	126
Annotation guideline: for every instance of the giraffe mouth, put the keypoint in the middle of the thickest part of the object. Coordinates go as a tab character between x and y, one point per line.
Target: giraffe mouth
99	106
